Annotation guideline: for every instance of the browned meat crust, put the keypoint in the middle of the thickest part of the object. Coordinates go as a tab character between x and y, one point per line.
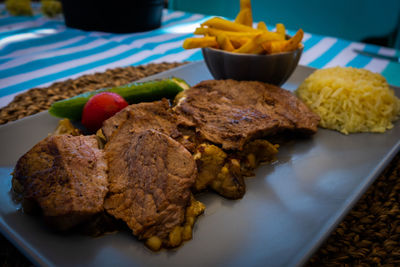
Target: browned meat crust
65	176
231	113
150	178
145	116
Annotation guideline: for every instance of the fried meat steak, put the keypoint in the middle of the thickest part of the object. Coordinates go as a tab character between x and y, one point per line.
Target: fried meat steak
231	113
150	177
145	116
65	176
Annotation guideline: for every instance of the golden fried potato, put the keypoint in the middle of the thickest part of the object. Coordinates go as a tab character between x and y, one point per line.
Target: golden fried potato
208	41
274	46
240	36
223	24
236	38
251	47
281	30
245	4
225	43
245	17
238	42
294	42
254	45
284	46
262	26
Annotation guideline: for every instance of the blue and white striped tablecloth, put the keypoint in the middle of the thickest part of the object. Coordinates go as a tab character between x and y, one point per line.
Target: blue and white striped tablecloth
37	51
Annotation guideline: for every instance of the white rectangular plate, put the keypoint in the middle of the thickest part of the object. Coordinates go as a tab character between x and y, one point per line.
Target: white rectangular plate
290	207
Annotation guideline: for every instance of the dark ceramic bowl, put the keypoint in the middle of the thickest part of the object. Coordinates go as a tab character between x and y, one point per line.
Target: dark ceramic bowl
117	16
275	68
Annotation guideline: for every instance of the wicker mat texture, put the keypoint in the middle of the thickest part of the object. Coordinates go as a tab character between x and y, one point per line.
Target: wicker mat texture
368	236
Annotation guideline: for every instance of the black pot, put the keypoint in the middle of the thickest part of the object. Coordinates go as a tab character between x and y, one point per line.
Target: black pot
117	16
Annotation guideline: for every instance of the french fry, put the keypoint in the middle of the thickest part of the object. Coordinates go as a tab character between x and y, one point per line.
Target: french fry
224	43
274	47
223	24
262	26
240	37
284	46
252	46
269	36
236	38
245	4
238	42
293	43
280	29
245	17
208	41
230	34
201	31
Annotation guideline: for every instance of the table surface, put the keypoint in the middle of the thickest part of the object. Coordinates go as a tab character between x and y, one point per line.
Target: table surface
37	51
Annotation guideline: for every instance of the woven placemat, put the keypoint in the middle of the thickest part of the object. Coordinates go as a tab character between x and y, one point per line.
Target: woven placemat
368	236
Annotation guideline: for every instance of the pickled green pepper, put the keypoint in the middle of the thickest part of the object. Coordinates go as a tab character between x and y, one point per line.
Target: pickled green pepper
133	93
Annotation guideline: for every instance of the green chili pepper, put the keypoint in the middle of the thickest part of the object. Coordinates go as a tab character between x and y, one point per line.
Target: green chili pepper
133	93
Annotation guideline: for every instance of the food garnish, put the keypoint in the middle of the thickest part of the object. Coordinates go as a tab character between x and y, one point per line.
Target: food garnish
133	93
240	36
101	107
351	100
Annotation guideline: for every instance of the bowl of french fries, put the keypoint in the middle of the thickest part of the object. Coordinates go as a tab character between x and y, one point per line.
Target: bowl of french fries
238	50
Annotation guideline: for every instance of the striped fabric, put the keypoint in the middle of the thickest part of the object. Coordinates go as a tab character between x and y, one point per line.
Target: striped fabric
37	51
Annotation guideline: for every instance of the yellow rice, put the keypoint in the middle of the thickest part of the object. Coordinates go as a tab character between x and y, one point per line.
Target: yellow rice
350	100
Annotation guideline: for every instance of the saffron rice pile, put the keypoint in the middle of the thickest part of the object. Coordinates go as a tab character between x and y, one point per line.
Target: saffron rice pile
350	100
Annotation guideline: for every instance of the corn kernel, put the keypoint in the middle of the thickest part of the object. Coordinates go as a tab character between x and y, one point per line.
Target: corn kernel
154	243
175	237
